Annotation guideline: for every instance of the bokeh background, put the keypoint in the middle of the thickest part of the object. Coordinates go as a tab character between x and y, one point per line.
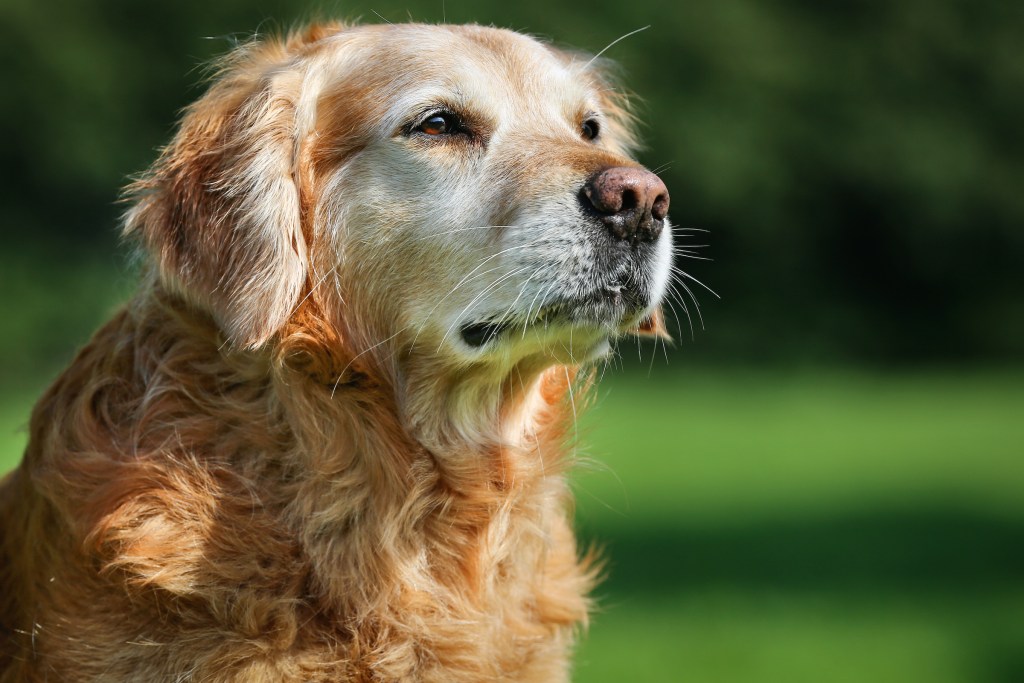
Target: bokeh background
825	481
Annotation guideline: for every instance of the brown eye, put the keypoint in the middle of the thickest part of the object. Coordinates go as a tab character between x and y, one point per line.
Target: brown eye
590	129
439	124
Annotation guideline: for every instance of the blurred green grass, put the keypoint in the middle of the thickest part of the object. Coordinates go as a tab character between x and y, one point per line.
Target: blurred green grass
809	525
812	525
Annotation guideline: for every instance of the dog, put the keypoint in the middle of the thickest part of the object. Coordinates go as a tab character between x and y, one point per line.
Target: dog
327	438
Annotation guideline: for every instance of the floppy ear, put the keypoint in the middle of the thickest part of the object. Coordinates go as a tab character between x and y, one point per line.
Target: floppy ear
220	210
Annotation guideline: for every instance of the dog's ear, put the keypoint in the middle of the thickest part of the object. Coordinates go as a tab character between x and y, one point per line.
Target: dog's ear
220	211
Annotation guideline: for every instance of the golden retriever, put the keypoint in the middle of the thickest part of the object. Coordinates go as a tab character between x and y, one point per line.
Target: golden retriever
325	441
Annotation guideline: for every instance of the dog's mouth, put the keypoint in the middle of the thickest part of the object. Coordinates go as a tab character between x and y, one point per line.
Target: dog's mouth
479	334
611	309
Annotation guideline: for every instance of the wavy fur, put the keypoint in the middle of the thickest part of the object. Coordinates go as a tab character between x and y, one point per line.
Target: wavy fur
256	471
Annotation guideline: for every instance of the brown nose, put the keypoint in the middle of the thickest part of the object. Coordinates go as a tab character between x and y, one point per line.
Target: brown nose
632	202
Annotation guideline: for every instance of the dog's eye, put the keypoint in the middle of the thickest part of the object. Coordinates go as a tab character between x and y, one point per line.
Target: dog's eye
443	123
590	129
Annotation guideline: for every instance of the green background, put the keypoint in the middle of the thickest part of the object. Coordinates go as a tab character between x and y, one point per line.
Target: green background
826	482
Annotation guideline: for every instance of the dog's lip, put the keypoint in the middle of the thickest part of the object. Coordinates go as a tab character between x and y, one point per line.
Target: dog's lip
610	306
478	334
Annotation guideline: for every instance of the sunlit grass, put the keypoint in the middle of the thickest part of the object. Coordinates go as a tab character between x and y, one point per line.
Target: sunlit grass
731	635
815	526
730	444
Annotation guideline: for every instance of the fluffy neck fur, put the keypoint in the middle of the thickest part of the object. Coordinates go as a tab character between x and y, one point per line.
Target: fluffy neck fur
379	520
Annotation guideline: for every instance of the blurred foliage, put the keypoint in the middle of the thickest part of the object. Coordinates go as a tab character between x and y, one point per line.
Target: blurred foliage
858	164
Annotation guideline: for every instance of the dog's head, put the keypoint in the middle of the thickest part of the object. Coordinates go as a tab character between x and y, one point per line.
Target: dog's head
462	192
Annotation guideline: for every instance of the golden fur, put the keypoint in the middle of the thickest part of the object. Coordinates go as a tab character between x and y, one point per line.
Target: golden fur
274	464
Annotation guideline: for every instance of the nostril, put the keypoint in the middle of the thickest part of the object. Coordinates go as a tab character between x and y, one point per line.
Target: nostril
630	199
660	207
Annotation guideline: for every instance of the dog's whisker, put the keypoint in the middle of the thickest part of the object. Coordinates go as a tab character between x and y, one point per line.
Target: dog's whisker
675	314
529	310
495	284
696	304
316	286
473	273
541	292
427	318
681	300
508	314
673	289
661	169
434	236
575	416
674	293
543	295
494	256
479	296
613	43
682	273
359	355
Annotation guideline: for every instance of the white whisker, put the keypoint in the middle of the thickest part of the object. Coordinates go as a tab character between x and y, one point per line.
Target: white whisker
575	416
683	273
482	293
316	286
612	44
506	316
469	276
358	355
433	236
543	294
427	318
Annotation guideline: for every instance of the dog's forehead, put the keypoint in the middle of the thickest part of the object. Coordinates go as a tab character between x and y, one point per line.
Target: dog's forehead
410	65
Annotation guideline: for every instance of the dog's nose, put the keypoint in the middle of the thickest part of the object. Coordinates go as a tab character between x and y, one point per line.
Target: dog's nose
632	202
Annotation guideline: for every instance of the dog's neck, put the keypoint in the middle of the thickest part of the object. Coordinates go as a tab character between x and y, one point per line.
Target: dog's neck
460	463
476	428
454	410
341	514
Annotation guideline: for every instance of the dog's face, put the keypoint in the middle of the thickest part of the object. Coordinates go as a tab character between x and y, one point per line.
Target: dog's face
466	192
